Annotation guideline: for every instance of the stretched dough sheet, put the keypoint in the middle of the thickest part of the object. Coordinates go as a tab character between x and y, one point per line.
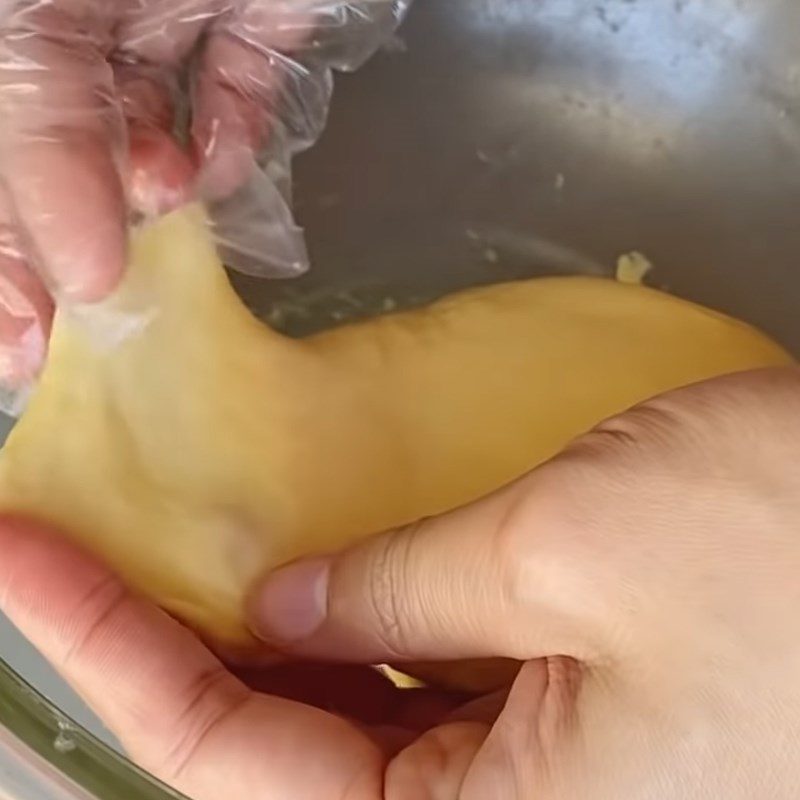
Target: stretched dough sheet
204	448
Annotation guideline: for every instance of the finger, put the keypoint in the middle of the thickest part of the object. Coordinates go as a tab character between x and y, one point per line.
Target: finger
26	310
154	39
245	73
161	174
163	32
534	730
391	738
233	90
61	145
488	580
175	708
437	763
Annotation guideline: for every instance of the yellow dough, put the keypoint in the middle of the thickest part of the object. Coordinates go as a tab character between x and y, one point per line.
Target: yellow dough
206	448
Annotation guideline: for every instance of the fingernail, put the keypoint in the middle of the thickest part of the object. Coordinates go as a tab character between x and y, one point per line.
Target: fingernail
293	602
92	276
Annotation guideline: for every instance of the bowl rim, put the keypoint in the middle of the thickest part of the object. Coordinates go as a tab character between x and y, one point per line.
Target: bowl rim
43	747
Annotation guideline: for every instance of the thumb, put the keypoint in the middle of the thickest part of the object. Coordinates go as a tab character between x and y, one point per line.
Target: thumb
485	581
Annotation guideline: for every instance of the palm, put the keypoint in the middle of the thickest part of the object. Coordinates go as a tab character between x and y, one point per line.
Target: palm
213	731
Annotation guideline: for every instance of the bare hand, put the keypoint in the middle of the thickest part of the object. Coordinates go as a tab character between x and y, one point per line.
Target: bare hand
646	580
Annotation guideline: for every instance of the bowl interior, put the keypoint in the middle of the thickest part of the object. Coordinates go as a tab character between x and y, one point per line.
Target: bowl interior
505	138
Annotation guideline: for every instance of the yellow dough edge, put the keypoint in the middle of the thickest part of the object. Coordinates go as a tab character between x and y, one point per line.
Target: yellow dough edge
206	448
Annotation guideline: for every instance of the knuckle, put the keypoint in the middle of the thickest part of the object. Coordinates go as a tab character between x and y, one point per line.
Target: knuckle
651	424
100	616
525	517
547	555
386	589
722	411
208	701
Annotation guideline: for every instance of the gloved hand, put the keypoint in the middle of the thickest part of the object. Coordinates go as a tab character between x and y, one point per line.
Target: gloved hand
88	93
646	578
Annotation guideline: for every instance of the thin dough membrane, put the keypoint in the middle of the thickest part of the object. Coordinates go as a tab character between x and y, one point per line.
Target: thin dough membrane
207	448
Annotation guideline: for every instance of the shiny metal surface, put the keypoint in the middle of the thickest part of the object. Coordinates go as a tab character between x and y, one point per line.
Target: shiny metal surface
513	137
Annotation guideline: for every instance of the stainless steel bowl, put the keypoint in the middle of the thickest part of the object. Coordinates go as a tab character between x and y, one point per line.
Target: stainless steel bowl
500	138
503	138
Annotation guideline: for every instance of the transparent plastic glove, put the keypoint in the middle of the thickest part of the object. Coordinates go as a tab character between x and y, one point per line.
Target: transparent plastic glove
111	108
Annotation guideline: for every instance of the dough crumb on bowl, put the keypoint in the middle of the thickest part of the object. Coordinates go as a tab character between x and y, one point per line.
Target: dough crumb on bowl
633	267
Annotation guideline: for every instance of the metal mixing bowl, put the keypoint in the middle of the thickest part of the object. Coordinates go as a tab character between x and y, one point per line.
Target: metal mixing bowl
500	138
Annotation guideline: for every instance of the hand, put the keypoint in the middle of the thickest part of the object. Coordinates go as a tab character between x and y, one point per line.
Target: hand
646	579
87	98
210	730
